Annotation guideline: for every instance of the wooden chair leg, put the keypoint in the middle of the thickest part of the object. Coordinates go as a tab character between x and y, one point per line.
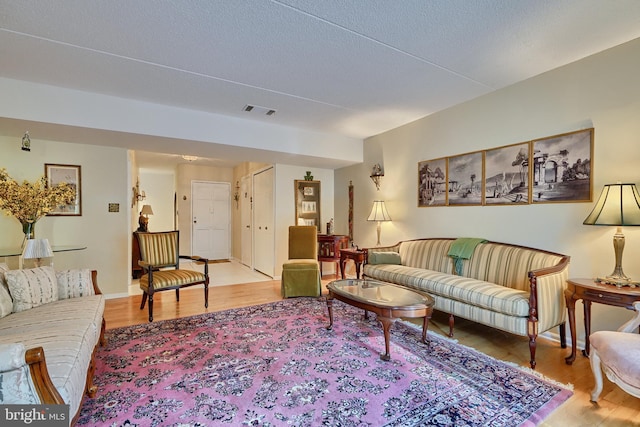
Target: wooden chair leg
151	308
178	295
206	295
144	300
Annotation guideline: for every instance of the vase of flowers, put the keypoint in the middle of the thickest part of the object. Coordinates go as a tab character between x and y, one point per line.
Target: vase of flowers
29	201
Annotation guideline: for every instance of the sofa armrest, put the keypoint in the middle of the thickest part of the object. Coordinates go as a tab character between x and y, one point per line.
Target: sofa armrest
547	301
25	377
40	376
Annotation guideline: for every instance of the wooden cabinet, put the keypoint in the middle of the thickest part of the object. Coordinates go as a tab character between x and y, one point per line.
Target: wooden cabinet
307	194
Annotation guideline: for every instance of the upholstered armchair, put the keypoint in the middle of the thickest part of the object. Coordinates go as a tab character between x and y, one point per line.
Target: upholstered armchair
618	354
160	262
301	272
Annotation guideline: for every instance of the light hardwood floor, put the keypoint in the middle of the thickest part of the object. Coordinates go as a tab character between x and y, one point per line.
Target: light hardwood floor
615	408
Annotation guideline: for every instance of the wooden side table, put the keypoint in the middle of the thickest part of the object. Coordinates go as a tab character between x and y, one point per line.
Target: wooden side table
590	291
329	246
358	257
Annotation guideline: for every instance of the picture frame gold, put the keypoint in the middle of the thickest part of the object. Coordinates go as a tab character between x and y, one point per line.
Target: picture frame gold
465	179
71	174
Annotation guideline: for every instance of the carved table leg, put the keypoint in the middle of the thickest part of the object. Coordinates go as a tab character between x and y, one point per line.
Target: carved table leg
571	308
386	326
330	308
587	327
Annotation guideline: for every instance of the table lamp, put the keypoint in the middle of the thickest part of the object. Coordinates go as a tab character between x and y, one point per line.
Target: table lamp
618	205
379	213
143	221
37	249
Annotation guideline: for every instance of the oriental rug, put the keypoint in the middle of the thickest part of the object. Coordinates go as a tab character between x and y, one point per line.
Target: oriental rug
277	365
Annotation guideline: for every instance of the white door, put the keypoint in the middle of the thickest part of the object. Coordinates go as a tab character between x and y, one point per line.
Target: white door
246	202
211	219
263	223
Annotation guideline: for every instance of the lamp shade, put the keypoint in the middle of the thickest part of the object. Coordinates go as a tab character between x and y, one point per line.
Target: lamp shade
379	212
37	248
146	210
619	204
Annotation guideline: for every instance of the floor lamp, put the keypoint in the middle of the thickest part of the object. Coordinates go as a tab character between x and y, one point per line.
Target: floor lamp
618	205
379	213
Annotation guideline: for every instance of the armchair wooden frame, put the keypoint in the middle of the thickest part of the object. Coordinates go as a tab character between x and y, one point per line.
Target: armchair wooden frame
160	263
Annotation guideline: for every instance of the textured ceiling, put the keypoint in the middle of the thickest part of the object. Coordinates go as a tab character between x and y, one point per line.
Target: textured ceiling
356	68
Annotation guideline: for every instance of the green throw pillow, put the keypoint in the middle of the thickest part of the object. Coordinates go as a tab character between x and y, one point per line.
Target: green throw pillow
384	258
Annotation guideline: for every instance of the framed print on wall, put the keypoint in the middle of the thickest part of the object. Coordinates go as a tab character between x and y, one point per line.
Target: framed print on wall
464	179
57	174
562	168
432	182
507	172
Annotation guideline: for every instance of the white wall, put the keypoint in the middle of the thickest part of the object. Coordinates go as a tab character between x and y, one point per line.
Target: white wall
104	180
159	187
602	91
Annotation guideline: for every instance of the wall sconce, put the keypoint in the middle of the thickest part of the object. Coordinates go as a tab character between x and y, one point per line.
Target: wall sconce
376	175
236	196
138	195
26	142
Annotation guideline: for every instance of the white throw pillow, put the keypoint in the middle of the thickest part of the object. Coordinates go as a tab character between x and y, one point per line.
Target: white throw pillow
3	268
74	283
6	303
32	287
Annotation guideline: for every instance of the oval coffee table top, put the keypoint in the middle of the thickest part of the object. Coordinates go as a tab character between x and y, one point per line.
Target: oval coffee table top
380	294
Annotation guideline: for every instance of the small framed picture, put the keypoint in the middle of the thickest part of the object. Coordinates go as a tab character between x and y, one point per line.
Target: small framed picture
70	174
432	182
562	168
465	179
506	172
307	191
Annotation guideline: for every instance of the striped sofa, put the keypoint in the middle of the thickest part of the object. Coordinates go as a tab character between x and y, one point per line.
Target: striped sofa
512	288
47	351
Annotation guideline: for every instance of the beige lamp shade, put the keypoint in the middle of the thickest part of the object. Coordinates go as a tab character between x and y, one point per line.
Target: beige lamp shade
146	210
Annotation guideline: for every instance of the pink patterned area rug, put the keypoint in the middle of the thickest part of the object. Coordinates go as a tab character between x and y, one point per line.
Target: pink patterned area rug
276	365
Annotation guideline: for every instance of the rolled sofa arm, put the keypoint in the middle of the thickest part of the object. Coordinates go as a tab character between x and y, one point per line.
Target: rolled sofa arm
24	376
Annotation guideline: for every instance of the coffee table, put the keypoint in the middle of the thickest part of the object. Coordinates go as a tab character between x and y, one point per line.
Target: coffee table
388	301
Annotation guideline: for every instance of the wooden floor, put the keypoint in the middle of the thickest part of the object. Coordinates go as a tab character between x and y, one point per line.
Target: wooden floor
615	408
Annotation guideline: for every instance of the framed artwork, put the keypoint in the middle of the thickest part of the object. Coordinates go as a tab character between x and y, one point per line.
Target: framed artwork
432	183
308	207
562	168
506	171
57	174
307	191
464	179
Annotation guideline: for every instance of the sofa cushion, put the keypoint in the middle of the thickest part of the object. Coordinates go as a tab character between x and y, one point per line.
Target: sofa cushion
428	253
475	292
384	258
74	283
32	287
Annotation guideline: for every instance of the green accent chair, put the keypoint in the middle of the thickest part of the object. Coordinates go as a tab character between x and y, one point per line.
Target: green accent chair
160	262
301	273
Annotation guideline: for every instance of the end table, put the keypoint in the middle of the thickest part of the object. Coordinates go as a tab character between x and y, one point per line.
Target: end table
359	256
590	291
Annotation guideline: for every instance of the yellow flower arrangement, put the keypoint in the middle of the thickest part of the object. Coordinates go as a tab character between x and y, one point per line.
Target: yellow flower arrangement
29	201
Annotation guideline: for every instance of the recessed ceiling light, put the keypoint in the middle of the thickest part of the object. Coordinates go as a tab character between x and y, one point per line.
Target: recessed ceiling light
190	158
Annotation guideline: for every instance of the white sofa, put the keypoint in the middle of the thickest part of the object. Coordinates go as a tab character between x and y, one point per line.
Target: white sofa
513	288
49	337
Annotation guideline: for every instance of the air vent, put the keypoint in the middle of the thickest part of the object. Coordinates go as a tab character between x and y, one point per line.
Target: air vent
256	109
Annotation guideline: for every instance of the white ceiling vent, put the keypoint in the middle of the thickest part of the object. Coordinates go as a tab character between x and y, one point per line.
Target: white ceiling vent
256	109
